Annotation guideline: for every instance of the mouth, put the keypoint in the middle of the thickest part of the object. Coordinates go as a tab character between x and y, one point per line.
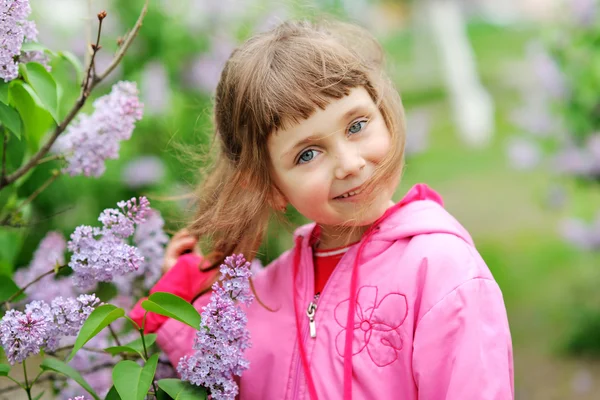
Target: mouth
353	192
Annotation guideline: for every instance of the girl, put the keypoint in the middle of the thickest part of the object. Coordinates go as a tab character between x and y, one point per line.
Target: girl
375	300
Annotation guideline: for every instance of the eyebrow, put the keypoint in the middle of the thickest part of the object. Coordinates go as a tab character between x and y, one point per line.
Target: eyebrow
358	109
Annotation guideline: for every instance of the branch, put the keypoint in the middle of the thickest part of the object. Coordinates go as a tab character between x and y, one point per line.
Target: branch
7	180
22	290
14	225
28	200
126	44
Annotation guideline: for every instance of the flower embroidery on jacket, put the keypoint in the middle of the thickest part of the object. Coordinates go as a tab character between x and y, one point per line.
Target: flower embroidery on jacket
375	325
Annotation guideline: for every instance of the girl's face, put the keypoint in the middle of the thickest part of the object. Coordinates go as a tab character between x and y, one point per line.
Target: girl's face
320	164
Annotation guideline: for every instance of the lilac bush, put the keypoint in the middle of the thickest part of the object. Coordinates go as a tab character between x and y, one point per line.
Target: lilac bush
222	339
95	138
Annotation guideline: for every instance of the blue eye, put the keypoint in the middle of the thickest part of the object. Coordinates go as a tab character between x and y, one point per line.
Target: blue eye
307	156
357	126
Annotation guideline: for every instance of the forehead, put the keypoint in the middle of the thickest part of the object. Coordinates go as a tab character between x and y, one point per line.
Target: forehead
320	122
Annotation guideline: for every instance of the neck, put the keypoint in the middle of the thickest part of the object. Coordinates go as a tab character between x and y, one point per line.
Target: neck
335	236
332	237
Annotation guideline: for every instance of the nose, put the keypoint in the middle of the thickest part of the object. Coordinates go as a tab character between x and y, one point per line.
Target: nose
349	162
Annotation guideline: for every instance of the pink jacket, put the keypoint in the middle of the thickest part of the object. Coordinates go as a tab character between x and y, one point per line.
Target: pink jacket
427	318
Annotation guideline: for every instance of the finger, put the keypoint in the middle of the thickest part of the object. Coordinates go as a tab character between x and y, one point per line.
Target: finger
187	243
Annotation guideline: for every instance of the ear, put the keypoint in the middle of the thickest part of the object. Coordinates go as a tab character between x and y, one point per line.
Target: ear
278	200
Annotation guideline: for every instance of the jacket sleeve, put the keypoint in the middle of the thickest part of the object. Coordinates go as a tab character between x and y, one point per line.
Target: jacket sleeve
185	280
462	346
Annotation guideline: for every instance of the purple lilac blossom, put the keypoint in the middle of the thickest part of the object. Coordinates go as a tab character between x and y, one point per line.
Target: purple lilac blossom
42	325
78	398
523	154
100	254
547	71
205	70
50	252
222	339
150	240
95	138
143	171
417	131
155	88
14	29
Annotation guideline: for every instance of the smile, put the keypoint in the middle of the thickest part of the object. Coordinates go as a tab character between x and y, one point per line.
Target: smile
350	193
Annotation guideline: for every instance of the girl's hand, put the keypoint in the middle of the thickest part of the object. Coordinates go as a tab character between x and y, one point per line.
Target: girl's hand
181	243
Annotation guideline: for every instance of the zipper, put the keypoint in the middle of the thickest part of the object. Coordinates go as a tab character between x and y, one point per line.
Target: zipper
310	313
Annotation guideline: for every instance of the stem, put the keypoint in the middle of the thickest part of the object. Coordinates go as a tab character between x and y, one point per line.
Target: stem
125	46
5	134
17	382
114	335
7	180
87	89
32	197
146	352
36	378
11	298
51	158
27	387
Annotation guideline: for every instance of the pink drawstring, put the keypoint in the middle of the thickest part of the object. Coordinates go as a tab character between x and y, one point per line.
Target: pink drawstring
311	385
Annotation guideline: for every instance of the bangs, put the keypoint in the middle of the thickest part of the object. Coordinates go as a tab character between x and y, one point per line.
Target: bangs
289	85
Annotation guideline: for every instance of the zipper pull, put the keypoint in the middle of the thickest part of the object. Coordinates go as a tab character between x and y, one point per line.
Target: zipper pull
310	312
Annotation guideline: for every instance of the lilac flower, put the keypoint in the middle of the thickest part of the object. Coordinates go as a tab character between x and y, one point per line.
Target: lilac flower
222	339
42	326
523	154
143	171
95	138
14	29
78	398
100	254
49	253
205	70
150	240
547	71
70	313
23	334
36	56
155	90
417	131
584	11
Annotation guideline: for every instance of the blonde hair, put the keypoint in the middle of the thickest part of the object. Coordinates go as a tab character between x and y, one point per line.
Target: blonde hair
273	80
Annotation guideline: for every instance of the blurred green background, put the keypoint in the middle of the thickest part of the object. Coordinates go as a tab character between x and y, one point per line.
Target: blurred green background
503	188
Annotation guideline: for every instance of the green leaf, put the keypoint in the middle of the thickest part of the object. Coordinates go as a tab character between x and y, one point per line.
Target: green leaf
34	46
131	380
10	244
36	119
3	91
45	86
75	62
53	364
180	390
112	394
99	319
7	288
172	306
135	346
9	117
4	369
